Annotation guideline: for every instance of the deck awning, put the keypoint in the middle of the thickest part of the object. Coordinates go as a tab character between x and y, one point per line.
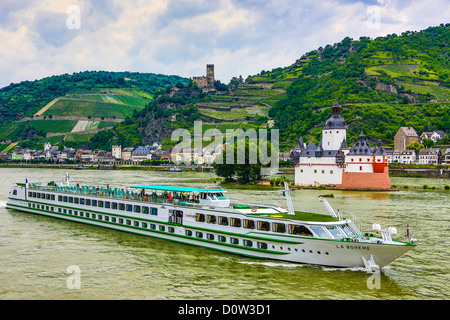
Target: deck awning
177	189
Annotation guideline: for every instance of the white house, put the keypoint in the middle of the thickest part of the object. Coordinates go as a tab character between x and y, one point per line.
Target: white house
430	156
402	156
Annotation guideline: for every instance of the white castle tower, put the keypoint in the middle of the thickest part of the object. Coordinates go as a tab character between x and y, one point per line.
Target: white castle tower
334	133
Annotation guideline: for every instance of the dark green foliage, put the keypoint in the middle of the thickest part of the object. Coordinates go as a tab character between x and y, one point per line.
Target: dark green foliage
27	97
340	73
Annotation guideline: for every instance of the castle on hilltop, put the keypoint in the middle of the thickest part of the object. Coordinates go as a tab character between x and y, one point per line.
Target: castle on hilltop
333	163
206	83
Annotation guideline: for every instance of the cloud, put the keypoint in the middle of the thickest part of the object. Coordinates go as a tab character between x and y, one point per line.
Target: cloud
241	37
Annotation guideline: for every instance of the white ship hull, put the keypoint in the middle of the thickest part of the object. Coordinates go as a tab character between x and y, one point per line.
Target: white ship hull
187	229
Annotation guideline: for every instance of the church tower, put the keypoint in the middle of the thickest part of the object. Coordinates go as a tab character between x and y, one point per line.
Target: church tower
47	146
334	133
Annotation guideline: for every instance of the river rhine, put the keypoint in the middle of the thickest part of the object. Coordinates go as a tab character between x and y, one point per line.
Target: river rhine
36	251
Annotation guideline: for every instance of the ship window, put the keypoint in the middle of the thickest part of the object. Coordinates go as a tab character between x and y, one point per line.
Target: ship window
279	227
248	243
93	216
162	228
88	202
113	219
320	231
15	192
336	232
64	211
189	233
34	195
75	212
144	225
200	217
87	214
136	224
137	209
128	222
47	196
121	206
59	209
299	230
145	210
262	245
223	221
76	200
211	219
234	240
263	225
106	218
199	234
64	199
81	200
209	236
30	194
94	203
29	205
70	199
120	220
222	238
107	204
249	224
114	205
129	207
100	217
348	231
154	211
100	204
171	229
235	222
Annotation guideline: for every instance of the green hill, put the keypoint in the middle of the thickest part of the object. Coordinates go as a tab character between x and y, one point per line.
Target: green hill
73	107
382	84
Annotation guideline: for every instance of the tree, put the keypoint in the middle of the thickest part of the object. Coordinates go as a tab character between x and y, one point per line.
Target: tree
416	146
244	169
427	143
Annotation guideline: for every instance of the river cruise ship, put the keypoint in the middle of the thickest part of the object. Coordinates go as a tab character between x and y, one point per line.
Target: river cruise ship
208	218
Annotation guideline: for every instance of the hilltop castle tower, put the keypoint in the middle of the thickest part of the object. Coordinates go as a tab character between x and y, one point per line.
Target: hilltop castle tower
210	75
206	83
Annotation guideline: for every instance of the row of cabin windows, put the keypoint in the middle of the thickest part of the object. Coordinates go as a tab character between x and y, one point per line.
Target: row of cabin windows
224	239
152	226
100	217
252	224
97	203
39	195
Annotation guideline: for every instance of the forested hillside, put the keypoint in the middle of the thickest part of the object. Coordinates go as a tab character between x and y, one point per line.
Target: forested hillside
27	97
382	84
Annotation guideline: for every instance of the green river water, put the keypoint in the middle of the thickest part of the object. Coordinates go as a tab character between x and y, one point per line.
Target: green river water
36	251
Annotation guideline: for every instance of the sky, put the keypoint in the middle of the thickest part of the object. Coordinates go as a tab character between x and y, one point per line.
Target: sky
179	37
